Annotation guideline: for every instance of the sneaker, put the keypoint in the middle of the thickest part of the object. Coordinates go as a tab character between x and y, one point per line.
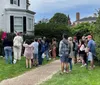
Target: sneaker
85	64
67	71
64	71
70	70
93	66
82	65
14	61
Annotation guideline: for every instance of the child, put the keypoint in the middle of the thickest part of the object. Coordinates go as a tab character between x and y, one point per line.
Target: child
28	53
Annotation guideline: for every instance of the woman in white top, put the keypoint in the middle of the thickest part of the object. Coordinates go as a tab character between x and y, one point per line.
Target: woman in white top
17	47
82	53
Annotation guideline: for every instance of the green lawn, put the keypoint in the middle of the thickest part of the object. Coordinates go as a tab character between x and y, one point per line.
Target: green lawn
79	76
9	71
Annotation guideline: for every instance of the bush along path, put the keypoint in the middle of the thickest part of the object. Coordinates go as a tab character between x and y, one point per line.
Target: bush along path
35	76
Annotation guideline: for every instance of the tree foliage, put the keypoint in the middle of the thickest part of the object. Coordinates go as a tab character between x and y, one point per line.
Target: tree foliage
97	35
83	29
51	30
59	18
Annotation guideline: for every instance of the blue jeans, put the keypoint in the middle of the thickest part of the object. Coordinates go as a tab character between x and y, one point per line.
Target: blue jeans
40	59
47	54
70	63
8	54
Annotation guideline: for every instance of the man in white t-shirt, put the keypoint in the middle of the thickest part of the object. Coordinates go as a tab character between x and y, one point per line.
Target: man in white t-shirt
35	45
17	47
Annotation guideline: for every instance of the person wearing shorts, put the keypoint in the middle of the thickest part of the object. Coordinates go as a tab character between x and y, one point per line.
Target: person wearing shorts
64	51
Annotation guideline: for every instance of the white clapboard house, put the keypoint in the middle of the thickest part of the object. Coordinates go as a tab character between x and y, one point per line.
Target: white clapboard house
15	16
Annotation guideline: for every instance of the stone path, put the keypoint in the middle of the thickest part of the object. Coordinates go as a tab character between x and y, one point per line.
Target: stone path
35	76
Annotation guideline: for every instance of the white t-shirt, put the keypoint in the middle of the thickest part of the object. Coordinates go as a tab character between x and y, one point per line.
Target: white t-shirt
35	47
18	40
82	48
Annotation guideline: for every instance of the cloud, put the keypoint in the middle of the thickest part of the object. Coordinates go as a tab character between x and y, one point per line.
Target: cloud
48	6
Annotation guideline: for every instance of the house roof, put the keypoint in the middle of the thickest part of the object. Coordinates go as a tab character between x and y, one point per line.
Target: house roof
20	10
87	19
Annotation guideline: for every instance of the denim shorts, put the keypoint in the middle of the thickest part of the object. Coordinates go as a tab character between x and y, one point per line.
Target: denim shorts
35	56
64	58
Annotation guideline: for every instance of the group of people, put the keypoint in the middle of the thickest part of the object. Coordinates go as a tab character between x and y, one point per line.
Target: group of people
33	50
72	51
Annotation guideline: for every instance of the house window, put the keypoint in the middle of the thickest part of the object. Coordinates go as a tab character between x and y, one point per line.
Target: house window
16	2
18	24
30	23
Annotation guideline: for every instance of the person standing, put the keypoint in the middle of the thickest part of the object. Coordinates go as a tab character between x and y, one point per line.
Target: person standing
82	53
46	48
7	43
64	51
28	53
17	47
35	45
92	46
71	55
75	49
54	44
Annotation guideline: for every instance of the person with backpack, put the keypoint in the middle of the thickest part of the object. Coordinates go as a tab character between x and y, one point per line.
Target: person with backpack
64	51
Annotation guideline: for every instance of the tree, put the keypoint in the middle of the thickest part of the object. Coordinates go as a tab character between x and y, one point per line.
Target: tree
51	30
82	29
97	35
59	18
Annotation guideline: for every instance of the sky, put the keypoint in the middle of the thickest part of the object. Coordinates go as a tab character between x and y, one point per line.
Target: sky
47	8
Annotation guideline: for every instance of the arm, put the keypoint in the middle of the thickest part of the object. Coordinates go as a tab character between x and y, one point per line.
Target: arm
60	47
69	46
89	45
25	45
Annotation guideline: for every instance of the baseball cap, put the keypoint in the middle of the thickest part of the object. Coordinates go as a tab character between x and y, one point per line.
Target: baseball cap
89	36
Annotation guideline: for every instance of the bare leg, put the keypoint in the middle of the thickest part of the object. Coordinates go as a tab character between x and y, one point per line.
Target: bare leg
30	64
73	60
26	63
92	64
67	67
62	67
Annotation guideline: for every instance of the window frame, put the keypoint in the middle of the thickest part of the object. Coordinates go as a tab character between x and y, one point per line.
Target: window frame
17	24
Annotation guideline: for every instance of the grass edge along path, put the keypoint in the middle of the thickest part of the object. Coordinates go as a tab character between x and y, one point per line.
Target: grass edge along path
12	70
79	76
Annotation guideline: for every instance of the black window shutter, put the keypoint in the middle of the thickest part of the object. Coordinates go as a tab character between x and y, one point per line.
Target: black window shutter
24	24
11	24
18	2
11	1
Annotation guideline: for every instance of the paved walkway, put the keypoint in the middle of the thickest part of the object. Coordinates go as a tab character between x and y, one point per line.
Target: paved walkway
35	76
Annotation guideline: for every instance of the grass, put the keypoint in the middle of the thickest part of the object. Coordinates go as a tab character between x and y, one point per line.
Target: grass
9	71
79	76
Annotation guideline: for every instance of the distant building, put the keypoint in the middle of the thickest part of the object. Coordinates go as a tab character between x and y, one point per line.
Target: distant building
15	16
69	21
90	19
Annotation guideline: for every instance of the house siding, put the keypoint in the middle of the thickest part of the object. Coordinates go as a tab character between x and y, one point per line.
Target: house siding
5	20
